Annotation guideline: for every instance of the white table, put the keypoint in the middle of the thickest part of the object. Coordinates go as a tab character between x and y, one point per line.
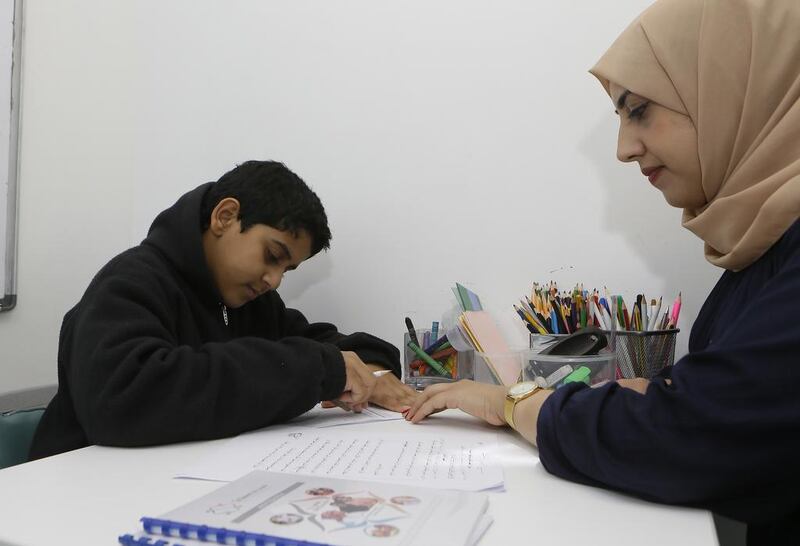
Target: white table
92	495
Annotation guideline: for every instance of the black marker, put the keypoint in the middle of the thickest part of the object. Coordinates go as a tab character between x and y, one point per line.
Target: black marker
411	333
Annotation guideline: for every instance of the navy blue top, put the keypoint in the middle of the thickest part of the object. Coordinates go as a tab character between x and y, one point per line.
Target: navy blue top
725	435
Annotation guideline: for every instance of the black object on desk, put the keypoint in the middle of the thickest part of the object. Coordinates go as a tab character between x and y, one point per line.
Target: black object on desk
586	341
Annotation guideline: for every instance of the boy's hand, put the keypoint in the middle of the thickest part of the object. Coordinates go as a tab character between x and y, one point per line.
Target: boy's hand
359	384
390	392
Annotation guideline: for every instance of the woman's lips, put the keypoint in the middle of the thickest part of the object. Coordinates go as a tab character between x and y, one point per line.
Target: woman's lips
653	174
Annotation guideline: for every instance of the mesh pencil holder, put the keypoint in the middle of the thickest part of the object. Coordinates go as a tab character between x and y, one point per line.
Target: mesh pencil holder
643	354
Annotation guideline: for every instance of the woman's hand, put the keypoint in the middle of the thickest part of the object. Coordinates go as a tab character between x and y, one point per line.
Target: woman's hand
637	384
478	399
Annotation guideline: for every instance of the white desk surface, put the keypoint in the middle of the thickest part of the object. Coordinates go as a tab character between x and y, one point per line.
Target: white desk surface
92	495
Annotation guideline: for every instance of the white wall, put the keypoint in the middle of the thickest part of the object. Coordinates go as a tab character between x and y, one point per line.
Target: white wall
449	141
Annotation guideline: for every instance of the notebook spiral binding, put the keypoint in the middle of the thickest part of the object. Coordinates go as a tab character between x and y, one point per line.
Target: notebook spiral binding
130	540
218	535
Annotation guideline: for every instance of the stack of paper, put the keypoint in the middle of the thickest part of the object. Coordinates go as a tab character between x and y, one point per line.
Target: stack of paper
462	461
484	335
480	332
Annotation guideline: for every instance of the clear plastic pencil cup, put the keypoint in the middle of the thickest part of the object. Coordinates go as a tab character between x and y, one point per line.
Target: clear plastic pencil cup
444	363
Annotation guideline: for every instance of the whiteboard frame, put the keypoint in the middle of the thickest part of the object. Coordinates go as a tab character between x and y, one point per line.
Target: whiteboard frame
9	300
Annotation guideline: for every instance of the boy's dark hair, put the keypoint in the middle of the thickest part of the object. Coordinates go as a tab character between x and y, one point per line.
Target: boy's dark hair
269	193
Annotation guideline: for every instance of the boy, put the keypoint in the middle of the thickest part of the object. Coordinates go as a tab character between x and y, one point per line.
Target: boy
184	337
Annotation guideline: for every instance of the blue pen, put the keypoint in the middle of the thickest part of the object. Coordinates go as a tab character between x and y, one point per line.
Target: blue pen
436	345
434	331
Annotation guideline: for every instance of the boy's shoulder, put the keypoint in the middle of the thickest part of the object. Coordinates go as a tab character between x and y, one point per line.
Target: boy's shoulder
142	264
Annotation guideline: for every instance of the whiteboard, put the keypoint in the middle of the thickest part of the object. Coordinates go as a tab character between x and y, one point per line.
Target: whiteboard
10	55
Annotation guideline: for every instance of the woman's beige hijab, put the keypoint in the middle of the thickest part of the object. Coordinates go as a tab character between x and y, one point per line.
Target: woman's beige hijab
732	66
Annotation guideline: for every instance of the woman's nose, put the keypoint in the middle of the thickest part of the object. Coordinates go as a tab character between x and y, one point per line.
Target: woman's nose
629	145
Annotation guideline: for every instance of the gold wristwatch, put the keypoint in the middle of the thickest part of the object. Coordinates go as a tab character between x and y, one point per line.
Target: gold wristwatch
517	393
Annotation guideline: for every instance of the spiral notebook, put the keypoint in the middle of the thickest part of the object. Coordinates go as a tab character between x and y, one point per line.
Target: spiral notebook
272	509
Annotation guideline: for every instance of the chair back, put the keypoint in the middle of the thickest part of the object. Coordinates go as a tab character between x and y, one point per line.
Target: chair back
16	434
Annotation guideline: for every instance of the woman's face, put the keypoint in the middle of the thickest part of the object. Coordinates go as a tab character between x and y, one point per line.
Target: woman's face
664	143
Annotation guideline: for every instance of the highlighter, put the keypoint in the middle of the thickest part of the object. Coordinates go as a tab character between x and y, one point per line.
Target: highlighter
427	359
412	334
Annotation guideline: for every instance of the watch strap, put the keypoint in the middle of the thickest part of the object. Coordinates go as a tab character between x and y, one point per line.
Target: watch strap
511	403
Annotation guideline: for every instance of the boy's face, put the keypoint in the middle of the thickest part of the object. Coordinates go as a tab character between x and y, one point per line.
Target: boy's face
246	264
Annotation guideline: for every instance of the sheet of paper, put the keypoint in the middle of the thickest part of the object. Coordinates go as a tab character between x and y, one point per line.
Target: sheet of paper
462	461
480	529
318	417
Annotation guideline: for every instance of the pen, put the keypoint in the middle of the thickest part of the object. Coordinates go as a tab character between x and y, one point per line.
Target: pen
656	311
438	344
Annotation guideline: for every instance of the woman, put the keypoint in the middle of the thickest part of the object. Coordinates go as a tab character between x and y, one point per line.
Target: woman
708	95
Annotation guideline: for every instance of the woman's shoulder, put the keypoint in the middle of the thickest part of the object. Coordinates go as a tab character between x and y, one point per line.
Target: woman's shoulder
787	248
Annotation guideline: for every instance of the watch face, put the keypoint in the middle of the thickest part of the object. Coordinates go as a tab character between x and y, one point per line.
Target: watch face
522	388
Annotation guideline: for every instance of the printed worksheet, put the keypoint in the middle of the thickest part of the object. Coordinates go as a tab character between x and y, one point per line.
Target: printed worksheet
456	461
318	417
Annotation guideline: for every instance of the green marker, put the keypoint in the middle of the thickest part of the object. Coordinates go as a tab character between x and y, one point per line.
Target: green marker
427	359
581	375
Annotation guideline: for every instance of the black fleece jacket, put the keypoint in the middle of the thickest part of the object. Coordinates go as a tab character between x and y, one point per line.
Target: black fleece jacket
146	356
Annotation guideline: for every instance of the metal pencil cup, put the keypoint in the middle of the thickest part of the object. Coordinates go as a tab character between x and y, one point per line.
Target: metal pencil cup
643	354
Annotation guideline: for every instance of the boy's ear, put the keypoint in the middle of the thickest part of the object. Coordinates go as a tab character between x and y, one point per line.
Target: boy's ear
224	215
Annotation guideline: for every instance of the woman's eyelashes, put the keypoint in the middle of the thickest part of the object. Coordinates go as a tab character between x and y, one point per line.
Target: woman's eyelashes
637	112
